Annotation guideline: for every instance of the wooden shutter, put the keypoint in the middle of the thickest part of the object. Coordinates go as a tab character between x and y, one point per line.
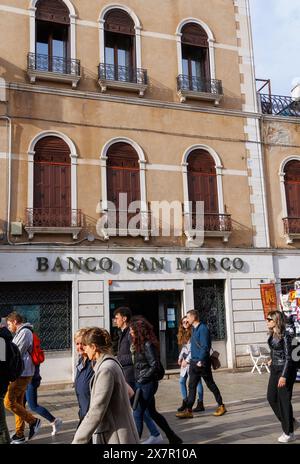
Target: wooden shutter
123	173
52	180
202	180
292	188
195	35
119	21
52	11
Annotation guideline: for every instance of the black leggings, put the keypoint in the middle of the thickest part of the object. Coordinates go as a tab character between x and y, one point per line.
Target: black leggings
280	399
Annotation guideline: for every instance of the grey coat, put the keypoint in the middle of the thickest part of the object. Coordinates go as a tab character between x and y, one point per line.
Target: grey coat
109	419
24	340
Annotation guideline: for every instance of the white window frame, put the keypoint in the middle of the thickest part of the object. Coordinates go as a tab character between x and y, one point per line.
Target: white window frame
137	27
73	156
211	44
142	170
73	16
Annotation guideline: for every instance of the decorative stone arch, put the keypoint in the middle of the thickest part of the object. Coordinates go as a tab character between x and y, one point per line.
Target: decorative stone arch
142	163
73	156
137	26
219	171
73	16
211	42
282	182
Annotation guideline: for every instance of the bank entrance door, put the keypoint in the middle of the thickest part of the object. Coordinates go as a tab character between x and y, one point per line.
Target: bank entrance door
163	311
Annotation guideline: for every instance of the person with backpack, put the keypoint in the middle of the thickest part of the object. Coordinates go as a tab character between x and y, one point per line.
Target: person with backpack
122	317
5	377
14	398
148	370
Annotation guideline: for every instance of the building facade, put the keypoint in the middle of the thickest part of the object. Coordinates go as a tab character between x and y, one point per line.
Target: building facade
157	102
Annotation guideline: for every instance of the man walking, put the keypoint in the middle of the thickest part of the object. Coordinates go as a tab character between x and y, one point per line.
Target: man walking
14	398
200	366
5	340
122	318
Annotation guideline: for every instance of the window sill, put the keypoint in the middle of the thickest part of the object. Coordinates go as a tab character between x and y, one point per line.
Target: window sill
52	76
105	84
53	230
107	233
291	237
210	233
194	95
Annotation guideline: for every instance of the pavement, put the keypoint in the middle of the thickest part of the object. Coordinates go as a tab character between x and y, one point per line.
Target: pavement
249	419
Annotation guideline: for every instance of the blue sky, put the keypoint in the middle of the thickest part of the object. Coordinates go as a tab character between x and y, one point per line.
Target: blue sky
276	37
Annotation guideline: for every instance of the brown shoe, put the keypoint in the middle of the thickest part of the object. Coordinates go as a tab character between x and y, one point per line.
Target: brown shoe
185	414
220	410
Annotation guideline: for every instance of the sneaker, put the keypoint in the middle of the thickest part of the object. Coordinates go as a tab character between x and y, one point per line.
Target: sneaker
284	438
185	414
16	440
200	407
153	440
56	426
34	428
220	410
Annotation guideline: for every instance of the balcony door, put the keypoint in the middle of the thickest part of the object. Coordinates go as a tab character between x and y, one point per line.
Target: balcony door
119	46
52	183
52	36
202	181
123	176
292	188
195	57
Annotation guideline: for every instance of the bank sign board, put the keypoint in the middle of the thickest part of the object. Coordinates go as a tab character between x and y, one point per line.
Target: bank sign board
140	265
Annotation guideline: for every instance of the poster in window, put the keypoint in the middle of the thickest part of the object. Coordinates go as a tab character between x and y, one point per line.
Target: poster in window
268	298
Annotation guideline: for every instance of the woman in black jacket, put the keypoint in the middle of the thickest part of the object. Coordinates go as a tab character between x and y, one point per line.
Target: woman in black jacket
283	375
145	359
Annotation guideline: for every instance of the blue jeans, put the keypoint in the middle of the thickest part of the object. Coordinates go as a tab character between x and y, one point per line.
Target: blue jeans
147	401
147	418
31	398
183	389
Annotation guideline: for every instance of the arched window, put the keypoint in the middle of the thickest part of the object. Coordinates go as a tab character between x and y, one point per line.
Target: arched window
119	37
202	181
52	183
195	57
52	36
292	188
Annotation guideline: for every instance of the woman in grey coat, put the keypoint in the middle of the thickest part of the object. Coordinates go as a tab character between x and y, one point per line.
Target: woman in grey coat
109	419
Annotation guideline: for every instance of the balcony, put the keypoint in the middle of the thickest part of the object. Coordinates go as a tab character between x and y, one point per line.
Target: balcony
278	105
122	78
53	68
122	223
199	89
291	229
53	221
214	224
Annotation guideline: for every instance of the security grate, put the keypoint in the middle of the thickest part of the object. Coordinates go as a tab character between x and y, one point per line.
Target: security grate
209	301
47	306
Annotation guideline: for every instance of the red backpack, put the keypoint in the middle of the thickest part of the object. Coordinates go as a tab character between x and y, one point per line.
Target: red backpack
37	354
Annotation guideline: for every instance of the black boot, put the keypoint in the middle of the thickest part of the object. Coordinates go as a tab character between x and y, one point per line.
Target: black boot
183	406
200	407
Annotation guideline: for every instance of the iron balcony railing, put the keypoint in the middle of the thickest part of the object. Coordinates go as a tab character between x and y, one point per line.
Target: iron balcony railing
110	72
54	64
120	219
213	222
291	225
196	84
53	217
279	105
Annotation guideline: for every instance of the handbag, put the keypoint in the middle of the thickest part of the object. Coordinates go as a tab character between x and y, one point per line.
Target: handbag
214	359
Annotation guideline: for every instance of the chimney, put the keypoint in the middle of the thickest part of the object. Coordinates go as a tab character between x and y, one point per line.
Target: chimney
296	89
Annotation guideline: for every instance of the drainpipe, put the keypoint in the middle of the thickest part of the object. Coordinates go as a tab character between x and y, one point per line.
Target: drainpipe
9	121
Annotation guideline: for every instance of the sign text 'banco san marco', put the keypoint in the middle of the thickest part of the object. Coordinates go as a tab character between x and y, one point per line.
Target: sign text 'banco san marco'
142	264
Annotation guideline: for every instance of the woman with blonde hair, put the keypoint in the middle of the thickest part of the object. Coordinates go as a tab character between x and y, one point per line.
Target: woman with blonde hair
84	374
184	342
283	375
109	419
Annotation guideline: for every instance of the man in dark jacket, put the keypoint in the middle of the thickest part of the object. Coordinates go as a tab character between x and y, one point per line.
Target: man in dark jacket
200	366
122	318
5	339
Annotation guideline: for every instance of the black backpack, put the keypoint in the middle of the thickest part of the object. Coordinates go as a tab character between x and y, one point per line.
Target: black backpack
15	362
160	372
